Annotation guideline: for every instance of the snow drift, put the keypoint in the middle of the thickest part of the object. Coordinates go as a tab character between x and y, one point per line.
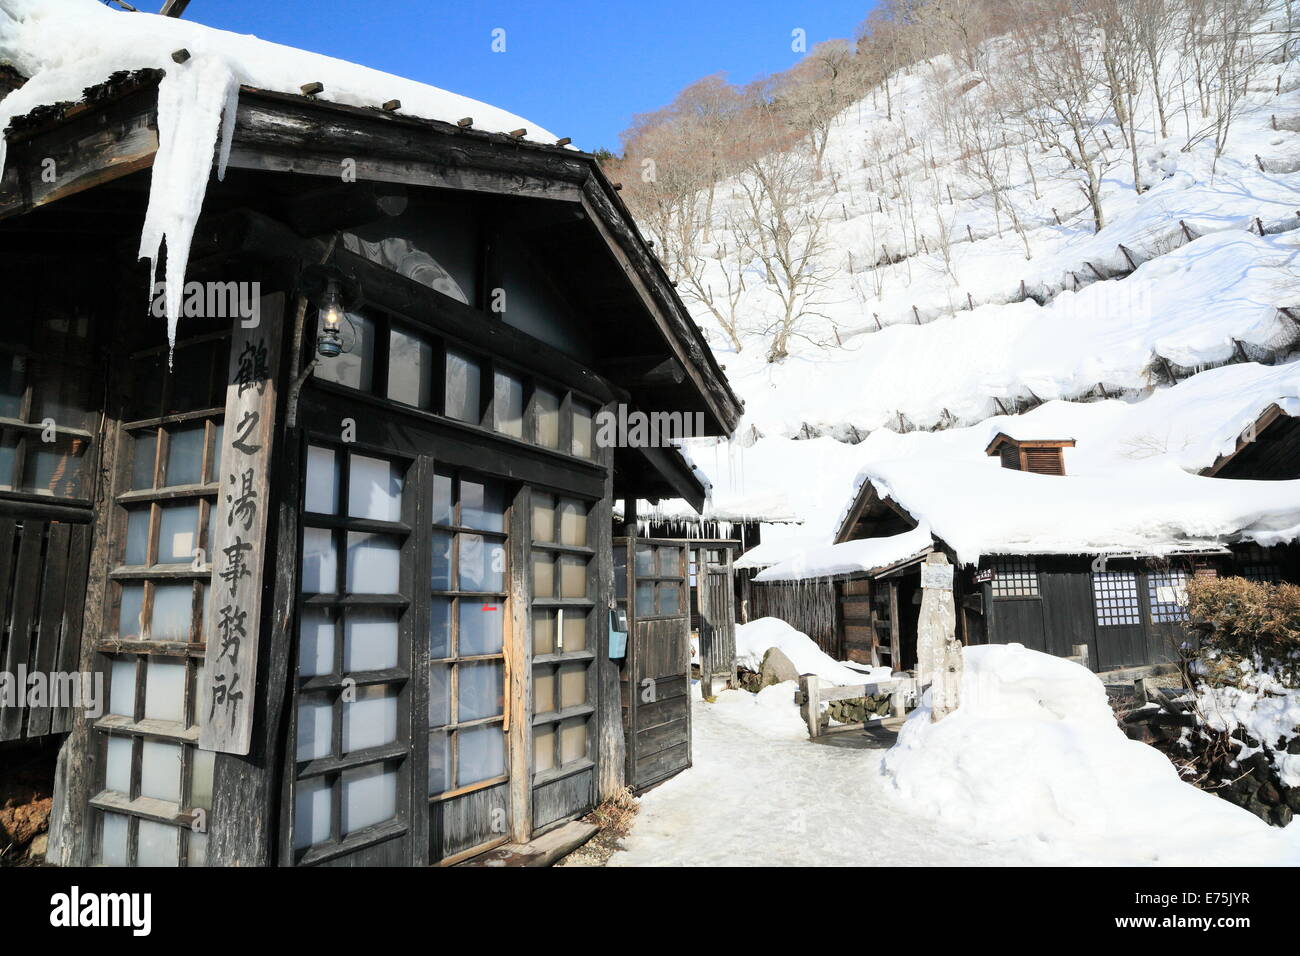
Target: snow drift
1033	754
754	639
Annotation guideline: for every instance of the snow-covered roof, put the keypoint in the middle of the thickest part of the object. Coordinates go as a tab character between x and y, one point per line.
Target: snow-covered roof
849	557
65	46
1130	483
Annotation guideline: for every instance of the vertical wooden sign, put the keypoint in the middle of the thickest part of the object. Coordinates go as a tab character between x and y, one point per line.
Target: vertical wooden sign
239	539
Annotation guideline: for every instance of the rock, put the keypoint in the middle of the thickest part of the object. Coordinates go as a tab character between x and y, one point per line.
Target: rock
1281	816
1260	810
1268	794
1293	747
36	849
1246	784
1293	799
19	822
777	668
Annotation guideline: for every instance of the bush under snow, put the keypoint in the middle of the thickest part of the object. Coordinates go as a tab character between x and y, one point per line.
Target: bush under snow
1034	754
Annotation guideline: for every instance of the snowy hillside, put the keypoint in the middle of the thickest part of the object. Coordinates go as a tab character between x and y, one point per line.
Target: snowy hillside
949	268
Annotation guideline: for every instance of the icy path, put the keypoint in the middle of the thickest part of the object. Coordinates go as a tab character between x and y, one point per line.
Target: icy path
759	794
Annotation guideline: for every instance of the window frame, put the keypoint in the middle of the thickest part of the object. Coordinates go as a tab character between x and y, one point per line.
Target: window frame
396	754
454	596
554	661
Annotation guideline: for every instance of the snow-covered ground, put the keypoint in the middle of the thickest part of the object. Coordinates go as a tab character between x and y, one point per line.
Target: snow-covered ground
1032	769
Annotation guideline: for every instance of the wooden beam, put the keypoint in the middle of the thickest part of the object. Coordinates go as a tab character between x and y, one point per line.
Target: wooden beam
173	8
651	286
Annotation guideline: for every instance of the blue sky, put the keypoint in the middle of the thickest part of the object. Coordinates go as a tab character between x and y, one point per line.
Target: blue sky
578	67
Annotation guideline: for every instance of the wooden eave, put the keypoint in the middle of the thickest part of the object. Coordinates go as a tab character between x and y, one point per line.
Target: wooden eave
111	136
1265	420
868	499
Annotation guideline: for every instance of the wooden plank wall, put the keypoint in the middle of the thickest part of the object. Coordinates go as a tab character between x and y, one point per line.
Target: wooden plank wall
43	566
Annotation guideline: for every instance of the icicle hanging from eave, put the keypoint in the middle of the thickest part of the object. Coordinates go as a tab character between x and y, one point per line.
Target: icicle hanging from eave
197	103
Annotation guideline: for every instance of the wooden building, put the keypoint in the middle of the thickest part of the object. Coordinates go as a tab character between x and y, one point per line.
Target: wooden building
345	562
860	597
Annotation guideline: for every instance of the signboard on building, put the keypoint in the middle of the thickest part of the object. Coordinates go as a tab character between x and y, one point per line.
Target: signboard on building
239	536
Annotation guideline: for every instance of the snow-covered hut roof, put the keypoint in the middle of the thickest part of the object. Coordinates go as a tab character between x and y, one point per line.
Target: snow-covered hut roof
1130	484
867	555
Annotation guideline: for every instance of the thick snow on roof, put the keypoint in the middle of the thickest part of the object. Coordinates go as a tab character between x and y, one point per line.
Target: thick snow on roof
1128	484
867	554
65	46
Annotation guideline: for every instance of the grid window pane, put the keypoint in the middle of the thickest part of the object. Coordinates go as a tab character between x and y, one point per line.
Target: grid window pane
137	537
374	489
121	695
144	448
160	770
544	632
548	417
373	563
482	505
573	740
322	480
482	628
371	719
185	456
439	694
128	624
463	388
370	641
164	690
201	779
573	684
117	769
114	837
319	562
410	360
480	690
315	728
1015	577
439	761
482	563
1115	597
583	444
311	812
508	404
573	523
645	599
1168	595
575	630
442	561
481	753
173	612
573	576
439	628
543	748
543	518
157	844
670	598
442	499
316	642
543	689
543	575
177	533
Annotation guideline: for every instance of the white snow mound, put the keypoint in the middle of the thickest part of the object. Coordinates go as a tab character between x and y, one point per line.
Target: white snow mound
755	638
1034	754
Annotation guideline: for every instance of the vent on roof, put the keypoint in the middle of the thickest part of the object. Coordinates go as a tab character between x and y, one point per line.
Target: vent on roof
1038	456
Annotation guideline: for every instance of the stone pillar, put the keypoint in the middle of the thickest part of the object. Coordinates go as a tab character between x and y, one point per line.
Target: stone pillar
938	652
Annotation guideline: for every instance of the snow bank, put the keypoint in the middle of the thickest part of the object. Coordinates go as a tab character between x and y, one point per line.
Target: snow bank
65	46
755	638
1034	754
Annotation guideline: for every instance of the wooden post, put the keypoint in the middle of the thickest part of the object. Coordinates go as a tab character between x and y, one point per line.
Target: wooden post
611	744
895	640
938	653
810	703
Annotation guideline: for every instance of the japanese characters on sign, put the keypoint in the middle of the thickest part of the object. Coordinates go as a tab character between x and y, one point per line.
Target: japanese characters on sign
239	540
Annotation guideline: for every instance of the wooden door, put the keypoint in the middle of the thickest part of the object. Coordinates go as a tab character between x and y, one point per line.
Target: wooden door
717	602
655	682
1117	608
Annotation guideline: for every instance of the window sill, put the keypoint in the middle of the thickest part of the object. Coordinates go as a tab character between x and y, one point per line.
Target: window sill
378	833
159	729
146	808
